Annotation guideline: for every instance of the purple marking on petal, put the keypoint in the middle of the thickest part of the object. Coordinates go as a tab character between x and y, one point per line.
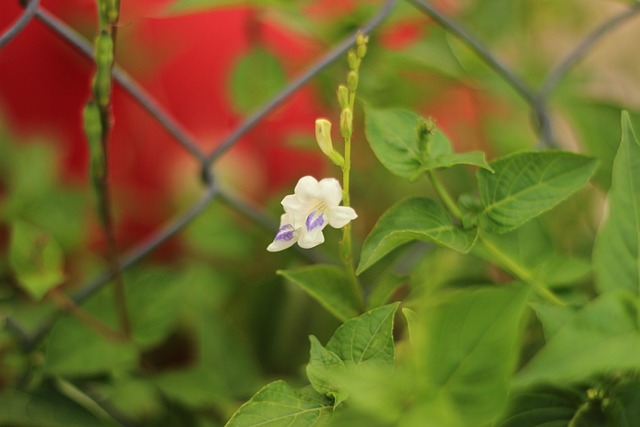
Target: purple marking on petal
286	233
314	220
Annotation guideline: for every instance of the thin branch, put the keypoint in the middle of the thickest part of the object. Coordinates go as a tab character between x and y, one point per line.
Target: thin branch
20	24
68	305
131	87
298	82
560	70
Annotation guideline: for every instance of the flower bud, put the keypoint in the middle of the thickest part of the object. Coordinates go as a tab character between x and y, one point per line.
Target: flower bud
361	45
352	81
353	60
323	137
346	123
424	129
343	96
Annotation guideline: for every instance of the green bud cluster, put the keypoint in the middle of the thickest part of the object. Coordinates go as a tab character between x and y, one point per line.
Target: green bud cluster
104	63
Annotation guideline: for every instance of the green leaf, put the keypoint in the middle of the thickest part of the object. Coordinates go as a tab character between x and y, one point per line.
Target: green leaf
367	338
528	184
623	408
384	288
603	336
42	408
255	79
328	285
616	253
469	348
277	404
392	136
153	302
393	139
36	259
323	369
413	219
552	317
75	349
542	406
412	321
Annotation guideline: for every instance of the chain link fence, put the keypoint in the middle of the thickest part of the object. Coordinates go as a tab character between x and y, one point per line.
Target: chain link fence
536	99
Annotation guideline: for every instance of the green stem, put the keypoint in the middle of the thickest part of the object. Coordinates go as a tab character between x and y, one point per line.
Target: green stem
520	272
108	13
444	195
346	250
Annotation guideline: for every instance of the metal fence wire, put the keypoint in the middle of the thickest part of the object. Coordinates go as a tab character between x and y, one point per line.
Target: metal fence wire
536	99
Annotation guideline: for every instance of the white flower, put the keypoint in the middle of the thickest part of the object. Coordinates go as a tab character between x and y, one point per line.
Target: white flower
313	206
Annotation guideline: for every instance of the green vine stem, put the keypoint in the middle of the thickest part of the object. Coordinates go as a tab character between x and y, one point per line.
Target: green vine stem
347	97
98	124
500	257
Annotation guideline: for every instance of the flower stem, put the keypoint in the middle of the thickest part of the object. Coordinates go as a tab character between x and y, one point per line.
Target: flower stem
444	195
108	12
346	249
519	271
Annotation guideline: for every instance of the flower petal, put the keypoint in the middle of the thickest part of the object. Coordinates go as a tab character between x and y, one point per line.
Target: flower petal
310	239
292	204
339	216
307	189
286	236
331	191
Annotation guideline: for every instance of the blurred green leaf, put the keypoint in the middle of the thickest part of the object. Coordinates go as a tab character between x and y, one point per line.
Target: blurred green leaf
552	317
153	301
393	139
153	298
529	253
542	406
74	349
616	253
328	285
413	219
468	349
323	369
367	338
255	79
279	405
42	409
384	288
623	406
36	259
528	184
603	336
133	397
